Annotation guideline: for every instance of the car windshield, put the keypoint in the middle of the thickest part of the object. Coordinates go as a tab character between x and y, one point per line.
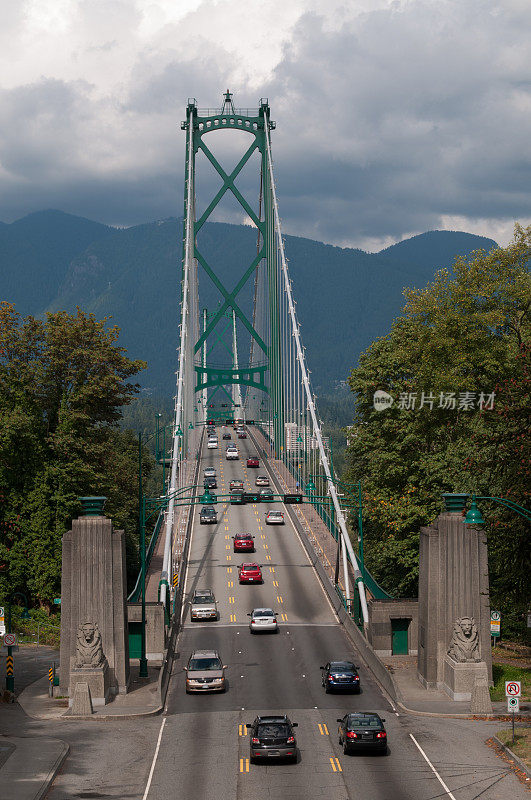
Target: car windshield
275	513
344	666
207	511
250	567
364	722
244	536
263	612
272	729
203	664
206	597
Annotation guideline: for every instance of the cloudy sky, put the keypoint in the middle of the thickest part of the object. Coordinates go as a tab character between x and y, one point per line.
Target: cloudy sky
393	117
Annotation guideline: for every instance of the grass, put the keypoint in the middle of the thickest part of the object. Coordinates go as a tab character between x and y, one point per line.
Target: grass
504	672
522	742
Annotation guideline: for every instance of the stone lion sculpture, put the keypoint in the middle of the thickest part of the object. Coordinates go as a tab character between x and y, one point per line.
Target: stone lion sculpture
464	644
89	650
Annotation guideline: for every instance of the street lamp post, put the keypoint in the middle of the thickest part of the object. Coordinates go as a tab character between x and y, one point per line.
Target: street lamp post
474	516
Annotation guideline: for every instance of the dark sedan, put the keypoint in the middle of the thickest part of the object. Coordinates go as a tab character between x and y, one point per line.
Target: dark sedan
362	731
341	676
208	516
210	482
272	737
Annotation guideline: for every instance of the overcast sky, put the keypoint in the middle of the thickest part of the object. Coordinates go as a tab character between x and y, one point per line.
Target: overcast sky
392	117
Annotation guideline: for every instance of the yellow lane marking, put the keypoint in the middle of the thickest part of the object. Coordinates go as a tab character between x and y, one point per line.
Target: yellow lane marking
242	730
266	547
244	765
271	569
268	558
226	527
323	730
231	599
230	584
284	617
227	536
227	547
260	528
229	569
275	583
336	766
229	558
280	600
262	536
233	617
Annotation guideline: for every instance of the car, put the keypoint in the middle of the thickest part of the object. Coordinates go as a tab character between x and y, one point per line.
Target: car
261	480
212	444
226	436
235	485
236	496
272	737
242	435
205	672
250	573
210	483
266	496
341	675
263	620
274	518
243	543
209	472
232	455
363	730
208	516
203	605
252	461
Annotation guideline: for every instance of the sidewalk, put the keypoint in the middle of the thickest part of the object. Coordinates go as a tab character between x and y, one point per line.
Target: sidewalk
433	702
142	699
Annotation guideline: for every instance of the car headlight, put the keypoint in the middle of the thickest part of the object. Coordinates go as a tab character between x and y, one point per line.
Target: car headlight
218	680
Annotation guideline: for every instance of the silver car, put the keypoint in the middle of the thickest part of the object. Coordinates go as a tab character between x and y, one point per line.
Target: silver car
203	605
205	672
209	472
263	620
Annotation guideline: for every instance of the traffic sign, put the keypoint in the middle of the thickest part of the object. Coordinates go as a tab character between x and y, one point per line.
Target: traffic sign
513	704
2	621
495	619
10	639
57	601
513	688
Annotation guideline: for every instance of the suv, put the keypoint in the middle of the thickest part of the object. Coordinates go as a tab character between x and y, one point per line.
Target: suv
205	672
203	605
272	737
208	516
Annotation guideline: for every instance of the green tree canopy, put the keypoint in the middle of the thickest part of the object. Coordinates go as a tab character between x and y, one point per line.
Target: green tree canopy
63	381
457	365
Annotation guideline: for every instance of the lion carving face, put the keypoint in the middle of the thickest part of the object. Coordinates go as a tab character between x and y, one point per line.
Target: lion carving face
89	632
89	650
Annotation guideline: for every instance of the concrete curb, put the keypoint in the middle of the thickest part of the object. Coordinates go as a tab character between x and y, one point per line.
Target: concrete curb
11	770
513	756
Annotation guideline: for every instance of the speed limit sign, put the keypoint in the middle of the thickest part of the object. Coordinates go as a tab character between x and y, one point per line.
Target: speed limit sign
513	688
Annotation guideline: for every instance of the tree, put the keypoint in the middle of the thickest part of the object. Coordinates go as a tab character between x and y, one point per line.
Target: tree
63	382
454	364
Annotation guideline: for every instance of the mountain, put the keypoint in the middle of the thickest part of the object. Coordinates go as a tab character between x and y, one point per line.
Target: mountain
35	253
346	297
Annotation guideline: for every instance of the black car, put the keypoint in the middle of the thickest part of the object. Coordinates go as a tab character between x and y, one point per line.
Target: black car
362	731
341	675
226	436
272	737
210	483
207	516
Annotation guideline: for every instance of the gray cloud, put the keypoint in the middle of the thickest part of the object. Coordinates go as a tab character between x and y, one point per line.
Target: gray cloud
389	122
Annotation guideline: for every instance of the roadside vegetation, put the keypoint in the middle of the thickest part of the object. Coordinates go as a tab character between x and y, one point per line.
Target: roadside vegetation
63	383
522	742
467	336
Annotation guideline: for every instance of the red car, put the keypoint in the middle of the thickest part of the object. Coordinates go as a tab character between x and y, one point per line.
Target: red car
250	573
252	461
243	542
242	435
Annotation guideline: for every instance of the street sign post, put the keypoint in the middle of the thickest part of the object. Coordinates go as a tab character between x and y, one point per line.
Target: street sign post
495	624
513	691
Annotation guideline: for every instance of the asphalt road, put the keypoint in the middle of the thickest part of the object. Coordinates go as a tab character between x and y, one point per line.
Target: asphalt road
204	748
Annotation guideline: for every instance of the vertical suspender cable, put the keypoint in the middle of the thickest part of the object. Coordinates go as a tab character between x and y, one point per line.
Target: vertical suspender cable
310	401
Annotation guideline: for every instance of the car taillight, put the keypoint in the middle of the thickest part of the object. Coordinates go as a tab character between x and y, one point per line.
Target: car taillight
255	740
253	622
352	735
381	735
356	677
291	740
330	677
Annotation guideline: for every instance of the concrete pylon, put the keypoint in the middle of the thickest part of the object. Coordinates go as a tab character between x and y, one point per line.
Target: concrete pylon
81	702
453	584
93	590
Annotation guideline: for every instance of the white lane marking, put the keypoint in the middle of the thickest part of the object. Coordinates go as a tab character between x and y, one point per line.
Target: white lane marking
152	770
445	787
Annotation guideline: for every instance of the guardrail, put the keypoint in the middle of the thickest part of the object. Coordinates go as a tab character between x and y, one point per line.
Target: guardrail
135	594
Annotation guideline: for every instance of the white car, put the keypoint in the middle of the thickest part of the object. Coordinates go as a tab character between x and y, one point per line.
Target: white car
274	518
209	472
263	620
212	444
232	454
